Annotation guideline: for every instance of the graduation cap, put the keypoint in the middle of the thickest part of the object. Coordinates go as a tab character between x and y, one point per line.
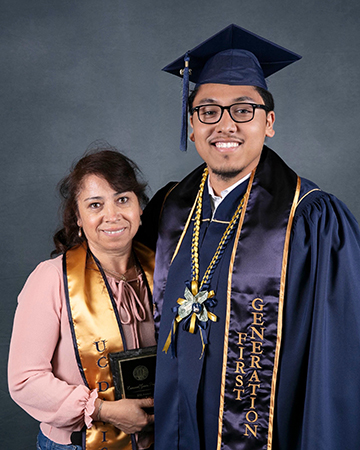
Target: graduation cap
232	56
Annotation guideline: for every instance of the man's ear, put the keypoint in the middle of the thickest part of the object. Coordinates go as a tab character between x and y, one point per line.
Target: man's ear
192	137
270	120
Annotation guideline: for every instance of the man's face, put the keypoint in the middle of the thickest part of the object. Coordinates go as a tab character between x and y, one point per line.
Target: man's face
231	150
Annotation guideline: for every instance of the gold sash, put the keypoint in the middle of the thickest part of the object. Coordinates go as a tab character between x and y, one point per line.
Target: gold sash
96	333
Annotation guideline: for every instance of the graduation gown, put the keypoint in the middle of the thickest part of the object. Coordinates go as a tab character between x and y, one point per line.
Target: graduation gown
317	396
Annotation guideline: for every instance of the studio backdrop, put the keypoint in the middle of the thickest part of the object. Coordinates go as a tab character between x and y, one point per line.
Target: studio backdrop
76	72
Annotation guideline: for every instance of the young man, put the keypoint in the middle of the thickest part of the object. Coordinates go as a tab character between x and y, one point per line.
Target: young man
257	278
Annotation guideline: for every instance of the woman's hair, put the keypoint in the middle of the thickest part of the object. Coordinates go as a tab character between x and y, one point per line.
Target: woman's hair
265	95
119	171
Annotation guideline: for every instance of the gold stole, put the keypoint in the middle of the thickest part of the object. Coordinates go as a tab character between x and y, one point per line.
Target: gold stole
96	333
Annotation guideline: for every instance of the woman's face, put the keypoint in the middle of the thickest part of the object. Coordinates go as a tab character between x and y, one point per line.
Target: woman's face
109	219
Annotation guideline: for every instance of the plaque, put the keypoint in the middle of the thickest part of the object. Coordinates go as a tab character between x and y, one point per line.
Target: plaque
134	372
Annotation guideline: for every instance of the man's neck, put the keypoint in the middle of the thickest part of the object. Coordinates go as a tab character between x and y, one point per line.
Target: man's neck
219	184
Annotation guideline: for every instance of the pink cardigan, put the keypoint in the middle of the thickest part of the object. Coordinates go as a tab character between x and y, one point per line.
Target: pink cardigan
43	375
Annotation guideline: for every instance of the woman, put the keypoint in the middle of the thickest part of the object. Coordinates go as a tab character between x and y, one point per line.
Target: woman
75	309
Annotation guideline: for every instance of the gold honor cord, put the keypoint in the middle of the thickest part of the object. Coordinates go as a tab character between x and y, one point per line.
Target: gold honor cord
194	306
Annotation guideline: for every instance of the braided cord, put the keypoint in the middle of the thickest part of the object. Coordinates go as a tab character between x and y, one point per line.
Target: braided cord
222	244
196	232
221	247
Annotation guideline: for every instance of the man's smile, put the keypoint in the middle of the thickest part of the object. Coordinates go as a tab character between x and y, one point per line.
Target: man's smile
226	145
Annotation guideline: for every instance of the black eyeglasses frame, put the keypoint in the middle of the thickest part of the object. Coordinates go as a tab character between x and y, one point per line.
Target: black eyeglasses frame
254	107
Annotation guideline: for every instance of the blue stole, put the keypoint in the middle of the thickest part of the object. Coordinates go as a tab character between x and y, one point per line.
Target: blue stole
225	399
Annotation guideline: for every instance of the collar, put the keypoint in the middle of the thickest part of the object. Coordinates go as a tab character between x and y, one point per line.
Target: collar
216	200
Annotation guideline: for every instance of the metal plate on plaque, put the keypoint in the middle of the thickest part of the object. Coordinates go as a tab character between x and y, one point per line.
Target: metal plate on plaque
134	372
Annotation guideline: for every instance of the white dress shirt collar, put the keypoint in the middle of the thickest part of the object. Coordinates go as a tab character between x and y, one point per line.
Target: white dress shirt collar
216	200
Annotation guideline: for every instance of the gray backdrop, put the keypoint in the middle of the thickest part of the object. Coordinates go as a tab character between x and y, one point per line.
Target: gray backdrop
76	71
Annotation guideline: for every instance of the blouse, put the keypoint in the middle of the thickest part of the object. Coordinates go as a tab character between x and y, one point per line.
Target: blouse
43	375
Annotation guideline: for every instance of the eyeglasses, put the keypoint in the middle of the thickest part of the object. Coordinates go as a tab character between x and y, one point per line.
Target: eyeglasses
239	112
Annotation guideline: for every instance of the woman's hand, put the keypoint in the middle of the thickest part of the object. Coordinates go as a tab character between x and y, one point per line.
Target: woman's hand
127	415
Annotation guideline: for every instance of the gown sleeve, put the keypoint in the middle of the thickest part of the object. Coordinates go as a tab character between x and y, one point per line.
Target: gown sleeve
318	393
37	331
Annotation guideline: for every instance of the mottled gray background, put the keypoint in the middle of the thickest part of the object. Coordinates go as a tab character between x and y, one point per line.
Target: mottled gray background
72	72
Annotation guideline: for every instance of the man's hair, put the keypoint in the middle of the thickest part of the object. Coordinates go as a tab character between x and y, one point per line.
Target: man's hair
267	97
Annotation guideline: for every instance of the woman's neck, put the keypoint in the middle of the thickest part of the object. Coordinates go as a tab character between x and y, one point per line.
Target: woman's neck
116	261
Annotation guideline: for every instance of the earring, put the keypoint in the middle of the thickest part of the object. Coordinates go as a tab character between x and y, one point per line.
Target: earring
80	232
140	222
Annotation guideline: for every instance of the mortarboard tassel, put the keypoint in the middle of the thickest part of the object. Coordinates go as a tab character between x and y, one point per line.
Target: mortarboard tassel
185	96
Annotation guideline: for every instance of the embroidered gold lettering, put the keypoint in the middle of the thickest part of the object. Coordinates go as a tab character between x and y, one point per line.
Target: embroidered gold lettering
241	355
242	338
259	333
257	317
256	347
239	392
248	427
255	362
254	387
240	367
248	366
255	377
252	399
253	431
258	304
239	381
255	416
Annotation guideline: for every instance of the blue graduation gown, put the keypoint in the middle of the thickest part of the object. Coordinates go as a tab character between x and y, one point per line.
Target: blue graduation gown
197	381
317	404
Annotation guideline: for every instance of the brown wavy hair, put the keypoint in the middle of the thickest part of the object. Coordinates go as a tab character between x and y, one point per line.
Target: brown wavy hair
119	171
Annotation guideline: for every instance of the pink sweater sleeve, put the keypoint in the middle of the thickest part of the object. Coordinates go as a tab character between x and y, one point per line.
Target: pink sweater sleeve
42	373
